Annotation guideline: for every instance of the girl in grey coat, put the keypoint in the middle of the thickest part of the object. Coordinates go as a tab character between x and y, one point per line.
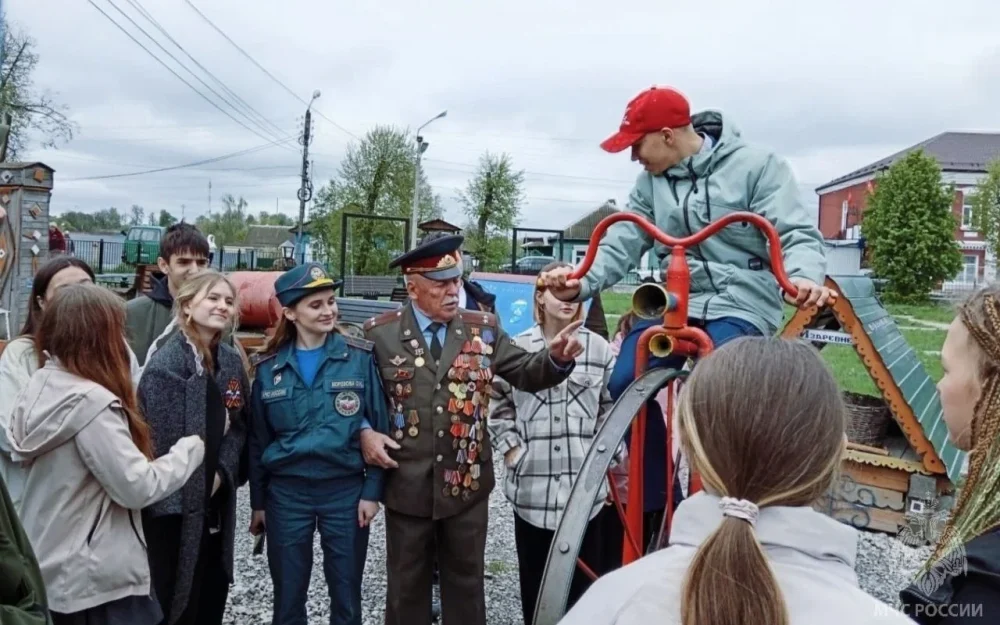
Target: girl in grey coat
193	384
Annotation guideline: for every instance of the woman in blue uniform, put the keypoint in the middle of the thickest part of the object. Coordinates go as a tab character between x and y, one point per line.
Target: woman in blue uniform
315	390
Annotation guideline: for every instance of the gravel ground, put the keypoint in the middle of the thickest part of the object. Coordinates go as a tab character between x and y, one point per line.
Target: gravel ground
884	566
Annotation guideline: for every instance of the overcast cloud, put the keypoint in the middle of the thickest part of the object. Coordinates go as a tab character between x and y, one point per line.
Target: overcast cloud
831	86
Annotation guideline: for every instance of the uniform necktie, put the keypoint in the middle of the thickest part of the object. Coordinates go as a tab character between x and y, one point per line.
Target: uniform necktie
434	327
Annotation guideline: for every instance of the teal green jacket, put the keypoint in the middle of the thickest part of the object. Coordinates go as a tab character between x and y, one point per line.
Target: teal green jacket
730	271
22	591
314	432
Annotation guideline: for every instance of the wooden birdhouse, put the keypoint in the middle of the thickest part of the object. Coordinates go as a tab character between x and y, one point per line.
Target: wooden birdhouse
25	191
899	468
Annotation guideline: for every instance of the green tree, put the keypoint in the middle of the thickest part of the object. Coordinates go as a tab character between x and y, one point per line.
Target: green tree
492	202
375	178
166	219
34	113
136	215
264	218
986	207
107	221
910	228
230	225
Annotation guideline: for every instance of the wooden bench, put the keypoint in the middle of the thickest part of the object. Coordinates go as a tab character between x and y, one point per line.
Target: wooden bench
355	312
400	295
370	287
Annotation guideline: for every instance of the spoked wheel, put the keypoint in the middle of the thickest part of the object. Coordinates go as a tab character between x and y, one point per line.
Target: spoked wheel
564	554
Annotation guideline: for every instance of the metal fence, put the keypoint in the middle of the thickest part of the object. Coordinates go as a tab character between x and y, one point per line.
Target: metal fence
121	257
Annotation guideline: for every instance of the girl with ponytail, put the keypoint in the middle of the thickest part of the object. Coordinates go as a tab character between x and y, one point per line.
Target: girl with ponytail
763	423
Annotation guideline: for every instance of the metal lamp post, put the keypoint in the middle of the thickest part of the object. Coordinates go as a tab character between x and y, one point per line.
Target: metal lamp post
421	147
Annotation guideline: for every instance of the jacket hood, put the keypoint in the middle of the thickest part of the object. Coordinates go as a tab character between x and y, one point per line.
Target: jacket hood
52	409
727	139
159	290
478	294
820	538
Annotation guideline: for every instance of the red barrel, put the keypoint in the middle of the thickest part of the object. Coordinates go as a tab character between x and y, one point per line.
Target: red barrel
259	307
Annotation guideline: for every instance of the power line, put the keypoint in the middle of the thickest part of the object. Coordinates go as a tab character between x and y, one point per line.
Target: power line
171	70
194	164
267	73
270	133
540	173
145	13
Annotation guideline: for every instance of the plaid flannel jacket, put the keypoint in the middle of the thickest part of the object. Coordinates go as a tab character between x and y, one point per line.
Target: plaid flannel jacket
552	430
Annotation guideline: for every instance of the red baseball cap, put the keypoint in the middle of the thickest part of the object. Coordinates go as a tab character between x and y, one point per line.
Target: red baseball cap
654	109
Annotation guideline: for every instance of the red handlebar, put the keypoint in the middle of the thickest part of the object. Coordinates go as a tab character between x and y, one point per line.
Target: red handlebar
777	264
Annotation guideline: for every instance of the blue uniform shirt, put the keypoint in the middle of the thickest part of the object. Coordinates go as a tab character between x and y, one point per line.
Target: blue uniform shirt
311	429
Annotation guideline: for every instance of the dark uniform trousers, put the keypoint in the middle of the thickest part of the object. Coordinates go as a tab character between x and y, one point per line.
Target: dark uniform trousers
437	501
459	542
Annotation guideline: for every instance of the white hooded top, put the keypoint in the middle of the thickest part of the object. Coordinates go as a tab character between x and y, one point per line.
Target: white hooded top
811	555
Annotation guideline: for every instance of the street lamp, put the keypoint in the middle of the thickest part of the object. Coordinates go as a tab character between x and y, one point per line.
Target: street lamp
421	147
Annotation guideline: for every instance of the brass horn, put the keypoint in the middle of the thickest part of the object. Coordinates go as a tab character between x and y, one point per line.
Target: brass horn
661	345
651	301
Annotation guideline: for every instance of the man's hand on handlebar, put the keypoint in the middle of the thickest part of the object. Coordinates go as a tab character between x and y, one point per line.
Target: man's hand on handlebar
811	294
558	281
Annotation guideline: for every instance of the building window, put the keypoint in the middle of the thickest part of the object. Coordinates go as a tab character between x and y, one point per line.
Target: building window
970	268
967	211
843	218
578	255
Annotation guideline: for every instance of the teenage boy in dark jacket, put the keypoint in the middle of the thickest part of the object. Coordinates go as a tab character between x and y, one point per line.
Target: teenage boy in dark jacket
183	252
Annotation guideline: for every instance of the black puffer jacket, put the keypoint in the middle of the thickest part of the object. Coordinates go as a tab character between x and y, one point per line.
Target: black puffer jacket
962	589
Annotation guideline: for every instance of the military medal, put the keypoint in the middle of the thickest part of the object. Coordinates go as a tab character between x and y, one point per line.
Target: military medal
419	361
397	360
413	421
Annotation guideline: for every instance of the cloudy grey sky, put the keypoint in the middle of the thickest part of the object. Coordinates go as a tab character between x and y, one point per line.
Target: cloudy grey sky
831	86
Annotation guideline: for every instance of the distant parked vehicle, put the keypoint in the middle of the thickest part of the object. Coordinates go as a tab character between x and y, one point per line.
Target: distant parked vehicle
528	265
142	244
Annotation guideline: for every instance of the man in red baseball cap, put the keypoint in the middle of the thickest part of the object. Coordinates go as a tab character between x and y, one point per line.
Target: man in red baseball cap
698	168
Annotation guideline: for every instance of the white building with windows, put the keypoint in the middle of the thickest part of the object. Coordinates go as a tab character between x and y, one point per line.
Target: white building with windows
963	157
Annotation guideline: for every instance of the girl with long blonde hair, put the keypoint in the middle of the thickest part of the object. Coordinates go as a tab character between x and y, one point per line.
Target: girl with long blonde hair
195	383
763	423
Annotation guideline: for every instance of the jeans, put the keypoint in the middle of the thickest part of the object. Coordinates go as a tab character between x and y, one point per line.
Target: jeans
655	447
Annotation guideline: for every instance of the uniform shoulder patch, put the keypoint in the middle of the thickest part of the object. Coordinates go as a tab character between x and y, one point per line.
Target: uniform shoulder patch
364	344
385	317
257	359
479	318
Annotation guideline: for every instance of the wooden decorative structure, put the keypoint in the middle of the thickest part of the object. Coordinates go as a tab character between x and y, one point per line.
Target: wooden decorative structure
25	190
905	479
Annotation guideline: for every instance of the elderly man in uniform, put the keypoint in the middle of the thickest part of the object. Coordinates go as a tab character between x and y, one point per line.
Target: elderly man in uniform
437	361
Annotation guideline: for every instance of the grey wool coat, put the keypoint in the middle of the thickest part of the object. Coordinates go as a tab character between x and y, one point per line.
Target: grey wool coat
173	398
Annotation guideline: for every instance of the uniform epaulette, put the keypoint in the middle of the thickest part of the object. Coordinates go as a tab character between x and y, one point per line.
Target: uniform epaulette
383	318
359	343
256	359
479	317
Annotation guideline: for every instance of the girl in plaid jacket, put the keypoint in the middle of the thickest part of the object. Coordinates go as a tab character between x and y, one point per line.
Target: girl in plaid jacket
544	438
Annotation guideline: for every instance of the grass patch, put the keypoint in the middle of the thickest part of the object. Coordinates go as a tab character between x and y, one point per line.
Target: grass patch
931	312
497	567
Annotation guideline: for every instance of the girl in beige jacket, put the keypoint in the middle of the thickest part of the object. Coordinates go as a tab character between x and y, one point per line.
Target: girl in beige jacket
87	455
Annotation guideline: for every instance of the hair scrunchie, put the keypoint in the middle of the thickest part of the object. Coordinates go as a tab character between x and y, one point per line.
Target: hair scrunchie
740	509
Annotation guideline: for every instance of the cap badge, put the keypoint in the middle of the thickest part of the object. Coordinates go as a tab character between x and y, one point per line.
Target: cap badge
316	273
446	261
